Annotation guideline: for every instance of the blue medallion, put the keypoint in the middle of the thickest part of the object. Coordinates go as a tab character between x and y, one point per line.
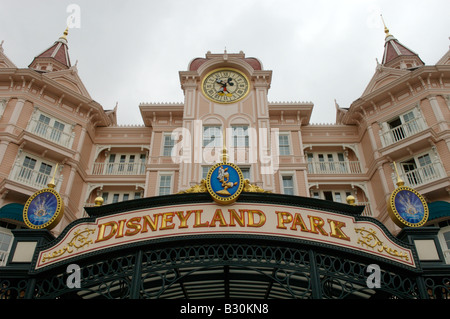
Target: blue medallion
43	209
409	206
225	182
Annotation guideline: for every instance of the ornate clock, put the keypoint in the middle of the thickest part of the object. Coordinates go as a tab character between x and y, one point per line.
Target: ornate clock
225	86
43	209
225	182
407	207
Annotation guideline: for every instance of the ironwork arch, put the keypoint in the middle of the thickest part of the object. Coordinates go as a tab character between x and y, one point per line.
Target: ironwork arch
219	268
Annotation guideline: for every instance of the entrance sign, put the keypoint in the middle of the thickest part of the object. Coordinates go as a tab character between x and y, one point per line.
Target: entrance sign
258	220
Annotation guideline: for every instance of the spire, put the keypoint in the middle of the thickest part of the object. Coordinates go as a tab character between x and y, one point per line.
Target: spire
55	58
386	30
396	55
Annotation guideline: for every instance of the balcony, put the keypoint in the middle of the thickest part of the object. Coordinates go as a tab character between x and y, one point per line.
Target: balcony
422	175
50	133
123	168
32	177
335	167
401	132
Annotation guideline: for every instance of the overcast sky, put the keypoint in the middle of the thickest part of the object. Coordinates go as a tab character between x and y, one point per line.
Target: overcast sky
131	51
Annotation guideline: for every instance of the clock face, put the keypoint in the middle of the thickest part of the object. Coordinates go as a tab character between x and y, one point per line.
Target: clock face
43	209
225	86
408	208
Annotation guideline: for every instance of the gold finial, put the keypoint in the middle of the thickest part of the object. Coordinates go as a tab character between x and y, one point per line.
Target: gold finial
224	150
52	182
386	30
400	182
351	200
65	33
99	201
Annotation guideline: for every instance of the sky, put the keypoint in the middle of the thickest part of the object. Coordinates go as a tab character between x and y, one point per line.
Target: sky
131	52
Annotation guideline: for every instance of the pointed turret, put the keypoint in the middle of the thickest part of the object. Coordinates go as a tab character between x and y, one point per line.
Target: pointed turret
55	58
398	56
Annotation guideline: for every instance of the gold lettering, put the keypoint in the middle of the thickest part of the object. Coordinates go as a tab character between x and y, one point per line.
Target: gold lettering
198	219
149	222
133	223
120	228
336	230
283	218
235	217
317	225
298	220
218	217
183	218
251	219
101	232
167	218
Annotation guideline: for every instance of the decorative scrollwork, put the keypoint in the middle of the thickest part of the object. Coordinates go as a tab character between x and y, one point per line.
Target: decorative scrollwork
253	188
198	188
370	239
80	239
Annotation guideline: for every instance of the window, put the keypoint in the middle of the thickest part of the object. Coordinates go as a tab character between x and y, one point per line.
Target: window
331	195
120	196
420	169
283	144
212	136
205	170
240	136
165	183
5	243
121	164
288	184
50	128
405	125
169	143
115	198
245	172
34	171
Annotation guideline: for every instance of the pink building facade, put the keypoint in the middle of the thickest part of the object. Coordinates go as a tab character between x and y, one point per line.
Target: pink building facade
51	126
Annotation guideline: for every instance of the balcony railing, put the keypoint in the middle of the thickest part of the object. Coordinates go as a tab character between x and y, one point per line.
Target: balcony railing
367	210
50	133
31	177
125	168
339	167
422	175
401	132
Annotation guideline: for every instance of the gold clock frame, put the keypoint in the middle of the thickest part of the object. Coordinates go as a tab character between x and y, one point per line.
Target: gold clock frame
59	212
396	217
231	70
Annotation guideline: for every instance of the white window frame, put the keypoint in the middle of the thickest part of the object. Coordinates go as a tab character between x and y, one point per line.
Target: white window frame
445	248
343	193
48	130
164	146
165	174
5	253
294	182
19	171
289	144
218	139
237	138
